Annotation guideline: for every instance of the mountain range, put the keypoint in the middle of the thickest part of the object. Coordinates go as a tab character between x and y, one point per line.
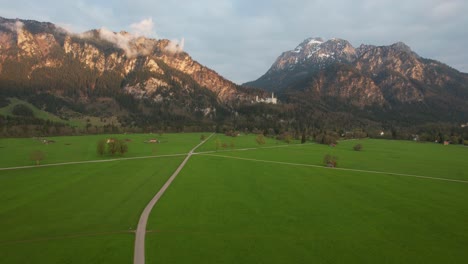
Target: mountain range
148	82
390	80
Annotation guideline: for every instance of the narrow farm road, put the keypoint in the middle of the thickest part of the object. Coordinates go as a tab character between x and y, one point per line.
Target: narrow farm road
139	254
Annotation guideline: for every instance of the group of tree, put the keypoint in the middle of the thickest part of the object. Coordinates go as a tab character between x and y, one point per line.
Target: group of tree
224	145
112	147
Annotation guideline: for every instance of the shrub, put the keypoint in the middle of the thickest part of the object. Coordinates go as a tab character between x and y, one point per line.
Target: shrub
330	161
357	147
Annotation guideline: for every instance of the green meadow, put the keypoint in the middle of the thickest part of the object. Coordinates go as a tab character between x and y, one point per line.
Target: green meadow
38	113
63	205
237	207
16	152
392	202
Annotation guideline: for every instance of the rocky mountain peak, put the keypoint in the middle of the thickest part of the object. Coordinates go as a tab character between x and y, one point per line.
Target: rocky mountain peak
401	47
151	64
315	52
384	75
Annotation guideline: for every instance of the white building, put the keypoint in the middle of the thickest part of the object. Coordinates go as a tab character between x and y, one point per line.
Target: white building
270	100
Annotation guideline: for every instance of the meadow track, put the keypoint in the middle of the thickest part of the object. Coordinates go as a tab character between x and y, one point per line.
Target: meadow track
139	255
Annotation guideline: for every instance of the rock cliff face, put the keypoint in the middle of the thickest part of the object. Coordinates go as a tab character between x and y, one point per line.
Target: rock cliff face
368	75
37	47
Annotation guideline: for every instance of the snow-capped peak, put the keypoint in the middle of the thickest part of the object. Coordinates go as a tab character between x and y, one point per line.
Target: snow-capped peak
315	41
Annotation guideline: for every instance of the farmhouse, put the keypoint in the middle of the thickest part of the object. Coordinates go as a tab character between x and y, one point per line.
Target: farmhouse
47	142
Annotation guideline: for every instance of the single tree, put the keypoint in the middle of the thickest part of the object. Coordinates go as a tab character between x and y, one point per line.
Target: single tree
287	138
123	148
37	156
232	145
260	139
202	137
113	147
217	144
357	147
117	147
101	147
330	161
303	138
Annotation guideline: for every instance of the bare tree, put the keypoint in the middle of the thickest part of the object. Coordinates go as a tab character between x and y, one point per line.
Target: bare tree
217	144
123	147
260	139
330	161
101	147
357	147
37	156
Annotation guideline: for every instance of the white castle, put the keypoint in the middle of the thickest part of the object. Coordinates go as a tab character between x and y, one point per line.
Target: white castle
270	100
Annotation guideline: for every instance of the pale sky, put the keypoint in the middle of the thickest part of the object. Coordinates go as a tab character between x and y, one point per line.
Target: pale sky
240	39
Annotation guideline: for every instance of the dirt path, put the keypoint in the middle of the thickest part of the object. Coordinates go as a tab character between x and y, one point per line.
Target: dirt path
139	255
90	161
41	239
342	169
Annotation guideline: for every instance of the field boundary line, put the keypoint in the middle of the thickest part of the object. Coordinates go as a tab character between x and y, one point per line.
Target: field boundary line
246	149
90	161
342	169
32	240
139	253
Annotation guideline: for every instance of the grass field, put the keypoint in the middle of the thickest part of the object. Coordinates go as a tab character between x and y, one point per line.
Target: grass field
223	210
73	200
239	142
77	120
235	205
16	152
407	157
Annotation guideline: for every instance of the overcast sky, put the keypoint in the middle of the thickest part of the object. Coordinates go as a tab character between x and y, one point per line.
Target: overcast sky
240	39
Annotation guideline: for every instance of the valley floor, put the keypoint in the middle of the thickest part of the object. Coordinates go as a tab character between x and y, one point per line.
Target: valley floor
393	202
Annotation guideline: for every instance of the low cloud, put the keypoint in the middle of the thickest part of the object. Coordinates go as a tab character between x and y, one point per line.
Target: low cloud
14	27
143	28
139	41
175	46
122	40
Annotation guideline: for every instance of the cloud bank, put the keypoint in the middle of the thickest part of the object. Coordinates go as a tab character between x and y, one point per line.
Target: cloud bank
139	41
